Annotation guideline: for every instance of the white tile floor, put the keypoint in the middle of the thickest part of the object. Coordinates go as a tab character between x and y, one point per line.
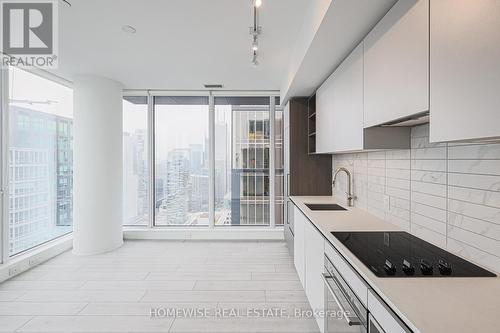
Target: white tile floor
115	292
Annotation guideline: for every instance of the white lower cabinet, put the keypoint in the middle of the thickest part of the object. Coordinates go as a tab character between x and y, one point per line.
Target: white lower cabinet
315	248
299	244
309	247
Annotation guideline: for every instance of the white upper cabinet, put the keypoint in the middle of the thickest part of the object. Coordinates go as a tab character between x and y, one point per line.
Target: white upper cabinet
465	69
339	107
339	113
396	64
347	112
324	116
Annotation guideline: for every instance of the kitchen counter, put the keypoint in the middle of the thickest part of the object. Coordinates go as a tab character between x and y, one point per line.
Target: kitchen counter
426	305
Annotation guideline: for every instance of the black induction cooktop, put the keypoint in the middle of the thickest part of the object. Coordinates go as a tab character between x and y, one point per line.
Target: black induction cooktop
400	254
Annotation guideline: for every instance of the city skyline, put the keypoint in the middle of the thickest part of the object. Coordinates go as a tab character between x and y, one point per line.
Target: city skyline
241	159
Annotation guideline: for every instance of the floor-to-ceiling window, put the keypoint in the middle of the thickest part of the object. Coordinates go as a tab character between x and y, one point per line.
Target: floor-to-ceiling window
40	160
181	170
135	161
183	181
242	144
278	164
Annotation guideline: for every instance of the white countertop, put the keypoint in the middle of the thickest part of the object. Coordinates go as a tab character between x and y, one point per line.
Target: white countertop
426	304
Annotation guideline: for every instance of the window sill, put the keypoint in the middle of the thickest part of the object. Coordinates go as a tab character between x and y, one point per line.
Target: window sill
200	233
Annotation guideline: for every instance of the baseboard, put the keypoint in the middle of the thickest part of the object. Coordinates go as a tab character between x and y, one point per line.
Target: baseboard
234	233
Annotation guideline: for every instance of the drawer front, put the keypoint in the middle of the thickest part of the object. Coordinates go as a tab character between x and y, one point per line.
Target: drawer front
384	316
355	281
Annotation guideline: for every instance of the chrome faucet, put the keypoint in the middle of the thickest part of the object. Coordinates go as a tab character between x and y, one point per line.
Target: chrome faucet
350	195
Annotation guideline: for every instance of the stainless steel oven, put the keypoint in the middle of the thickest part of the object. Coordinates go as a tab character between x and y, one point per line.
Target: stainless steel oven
344	311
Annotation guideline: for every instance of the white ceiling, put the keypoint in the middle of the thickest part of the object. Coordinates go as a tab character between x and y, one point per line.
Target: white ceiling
344	24
179	44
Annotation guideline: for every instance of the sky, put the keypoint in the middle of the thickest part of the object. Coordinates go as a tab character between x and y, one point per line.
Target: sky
25	86
176	126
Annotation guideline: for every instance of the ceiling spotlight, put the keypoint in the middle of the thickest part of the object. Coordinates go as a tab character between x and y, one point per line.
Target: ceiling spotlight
257	3
255	44
129	29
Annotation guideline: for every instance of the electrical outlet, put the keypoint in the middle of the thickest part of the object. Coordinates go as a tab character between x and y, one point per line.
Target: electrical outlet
34	261
14	271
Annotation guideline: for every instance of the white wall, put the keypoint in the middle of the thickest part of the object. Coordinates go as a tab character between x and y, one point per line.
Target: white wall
447	194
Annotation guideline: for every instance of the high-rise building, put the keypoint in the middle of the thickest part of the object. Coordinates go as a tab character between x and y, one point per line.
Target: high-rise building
198	188
135	175
64	171
222	172
250	199
177	195
40	177
196	158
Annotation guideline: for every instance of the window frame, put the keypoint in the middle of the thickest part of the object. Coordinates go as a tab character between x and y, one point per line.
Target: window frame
149	152
4	167
211	174
271	95
211	94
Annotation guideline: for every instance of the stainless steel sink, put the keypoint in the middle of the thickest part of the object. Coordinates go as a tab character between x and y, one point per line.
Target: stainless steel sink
312	206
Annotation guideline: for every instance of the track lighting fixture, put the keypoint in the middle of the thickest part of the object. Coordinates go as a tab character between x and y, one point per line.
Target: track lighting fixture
255	31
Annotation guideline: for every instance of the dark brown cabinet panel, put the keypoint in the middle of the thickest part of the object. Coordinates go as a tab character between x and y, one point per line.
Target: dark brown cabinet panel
310	174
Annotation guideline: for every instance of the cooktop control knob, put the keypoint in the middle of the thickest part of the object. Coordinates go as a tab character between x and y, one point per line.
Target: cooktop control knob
389	267
425	267
408	269
444	267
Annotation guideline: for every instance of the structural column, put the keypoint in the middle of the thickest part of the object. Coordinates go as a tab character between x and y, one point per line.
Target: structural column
98	182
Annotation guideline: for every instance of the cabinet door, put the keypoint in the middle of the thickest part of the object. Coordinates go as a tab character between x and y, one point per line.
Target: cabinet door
386	319
465	69
286	151
324	116
314	257
347	109
299	244
396	64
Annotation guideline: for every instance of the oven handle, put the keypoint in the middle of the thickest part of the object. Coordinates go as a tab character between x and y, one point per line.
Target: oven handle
337	298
